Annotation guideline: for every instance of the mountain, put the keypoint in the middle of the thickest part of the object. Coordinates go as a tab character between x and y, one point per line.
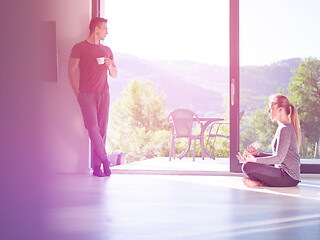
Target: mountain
259	82
265	78
201	87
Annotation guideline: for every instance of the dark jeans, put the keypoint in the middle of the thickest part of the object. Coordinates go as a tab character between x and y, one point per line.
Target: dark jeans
95	112
269	175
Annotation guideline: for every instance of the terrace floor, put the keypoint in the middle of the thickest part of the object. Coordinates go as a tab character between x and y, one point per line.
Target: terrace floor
184	166
152	205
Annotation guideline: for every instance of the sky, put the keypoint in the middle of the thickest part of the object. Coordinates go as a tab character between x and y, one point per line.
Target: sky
270	30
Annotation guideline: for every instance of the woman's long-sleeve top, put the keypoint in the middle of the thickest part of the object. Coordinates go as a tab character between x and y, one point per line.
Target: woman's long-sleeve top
285	152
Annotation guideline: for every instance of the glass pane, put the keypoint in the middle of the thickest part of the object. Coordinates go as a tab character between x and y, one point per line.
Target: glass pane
182	48
280	52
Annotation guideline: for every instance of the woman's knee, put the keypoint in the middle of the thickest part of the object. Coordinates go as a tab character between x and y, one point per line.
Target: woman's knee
247	167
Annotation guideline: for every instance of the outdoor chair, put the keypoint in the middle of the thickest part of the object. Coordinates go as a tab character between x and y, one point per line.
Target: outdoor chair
182	125
214	134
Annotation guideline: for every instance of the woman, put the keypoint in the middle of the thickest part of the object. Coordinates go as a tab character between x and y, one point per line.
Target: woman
259	167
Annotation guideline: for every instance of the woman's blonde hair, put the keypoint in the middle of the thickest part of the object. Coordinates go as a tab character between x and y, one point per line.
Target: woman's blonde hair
282	101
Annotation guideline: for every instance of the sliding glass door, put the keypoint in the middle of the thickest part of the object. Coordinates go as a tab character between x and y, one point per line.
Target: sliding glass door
279	53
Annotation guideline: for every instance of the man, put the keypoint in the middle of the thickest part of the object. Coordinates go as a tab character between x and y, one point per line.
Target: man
95	61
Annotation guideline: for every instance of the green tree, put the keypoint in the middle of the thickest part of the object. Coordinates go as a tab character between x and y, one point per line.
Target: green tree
261	129
138	123
304	91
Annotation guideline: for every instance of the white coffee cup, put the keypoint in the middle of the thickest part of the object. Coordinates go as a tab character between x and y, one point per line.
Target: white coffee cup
100	60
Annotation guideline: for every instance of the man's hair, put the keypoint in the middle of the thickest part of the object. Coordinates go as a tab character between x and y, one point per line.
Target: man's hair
96	22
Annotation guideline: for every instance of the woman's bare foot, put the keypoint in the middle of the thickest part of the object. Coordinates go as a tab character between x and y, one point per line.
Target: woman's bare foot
250	183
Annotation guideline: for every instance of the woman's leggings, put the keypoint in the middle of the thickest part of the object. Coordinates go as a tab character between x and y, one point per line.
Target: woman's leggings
268	175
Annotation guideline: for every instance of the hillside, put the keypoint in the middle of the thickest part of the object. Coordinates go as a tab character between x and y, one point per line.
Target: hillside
202	87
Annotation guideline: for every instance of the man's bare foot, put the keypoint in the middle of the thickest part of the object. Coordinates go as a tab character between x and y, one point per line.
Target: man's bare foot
250	183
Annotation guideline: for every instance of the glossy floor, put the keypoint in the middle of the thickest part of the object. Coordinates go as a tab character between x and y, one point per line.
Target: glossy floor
136	206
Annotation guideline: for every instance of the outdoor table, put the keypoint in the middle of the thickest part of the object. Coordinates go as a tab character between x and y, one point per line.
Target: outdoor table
205	121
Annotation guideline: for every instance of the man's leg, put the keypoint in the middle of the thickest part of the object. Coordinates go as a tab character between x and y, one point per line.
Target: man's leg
89	107
103	117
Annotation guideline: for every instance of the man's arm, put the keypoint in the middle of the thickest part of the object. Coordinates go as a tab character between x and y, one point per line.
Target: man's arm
113	72
72	69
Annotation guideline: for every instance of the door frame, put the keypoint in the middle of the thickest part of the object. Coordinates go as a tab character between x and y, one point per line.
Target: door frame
234	80
96	8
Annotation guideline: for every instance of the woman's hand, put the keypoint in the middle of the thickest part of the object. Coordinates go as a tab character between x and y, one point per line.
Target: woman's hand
252	149
246	157
240	157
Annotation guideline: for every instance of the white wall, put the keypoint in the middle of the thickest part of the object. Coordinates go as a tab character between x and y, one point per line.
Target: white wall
66	139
